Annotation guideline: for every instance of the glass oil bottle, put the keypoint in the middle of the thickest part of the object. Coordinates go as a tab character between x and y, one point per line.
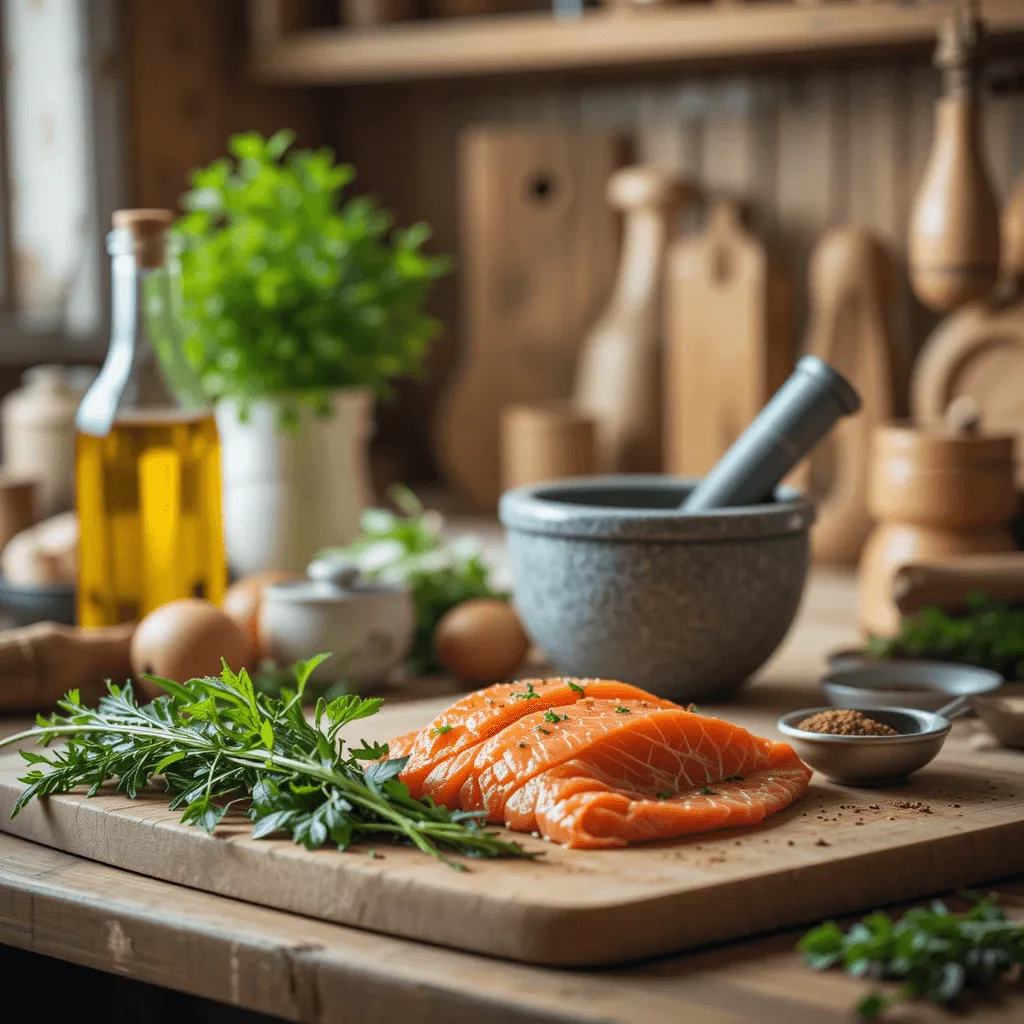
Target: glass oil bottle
147	462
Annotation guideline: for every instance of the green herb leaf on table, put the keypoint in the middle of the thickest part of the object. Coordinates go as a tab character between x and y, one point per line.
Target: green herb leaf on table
219	746
987	635
408	548
936	954
289	288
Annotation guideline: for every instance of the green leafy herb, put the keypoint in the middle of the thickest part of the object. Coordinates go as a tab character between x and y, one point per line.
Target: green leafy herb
554	716
620	710
692	708
528	694
219	745
287	289
575	687
522	746
705	791
664	796
540	728
440	730
935	953
987	635
407	548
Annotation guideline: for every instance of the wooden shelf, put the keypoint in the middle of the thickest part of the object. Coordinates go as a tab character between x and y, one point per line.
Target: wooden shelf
708	38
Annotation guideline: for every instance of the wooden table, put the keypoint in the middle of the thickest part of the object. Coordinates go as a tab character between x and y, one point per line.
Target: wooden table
303	970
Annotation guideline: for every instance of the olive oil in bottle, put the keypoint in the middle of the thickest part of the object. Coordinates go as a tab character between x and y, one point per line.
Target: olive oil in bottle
147	453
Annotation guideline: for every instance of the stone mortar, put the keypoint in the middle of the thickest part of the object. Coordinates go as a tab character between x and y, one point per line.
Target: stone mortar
612	581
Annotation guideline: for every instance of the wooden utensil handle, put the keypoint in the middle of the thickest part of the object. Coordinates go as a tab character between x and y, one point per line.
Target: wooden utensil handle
947	585
40	663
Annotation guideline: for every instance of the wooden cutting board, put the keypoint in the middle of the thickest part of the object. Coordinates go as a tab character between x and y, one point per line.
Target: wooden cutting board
835	851
537	259
728	339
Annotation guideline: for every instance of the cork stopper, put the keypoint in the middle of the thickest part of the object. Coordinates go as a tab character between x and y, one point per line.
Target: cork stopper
149	233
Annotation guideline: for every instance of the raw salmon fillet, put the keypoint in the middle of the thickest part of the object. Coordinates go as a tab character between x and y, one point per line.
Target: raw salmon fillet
603	773
484	713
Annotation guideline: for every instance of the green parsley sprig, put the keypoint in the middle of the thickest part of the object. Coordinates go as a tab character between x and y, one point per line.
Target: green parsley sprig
936	954
218	745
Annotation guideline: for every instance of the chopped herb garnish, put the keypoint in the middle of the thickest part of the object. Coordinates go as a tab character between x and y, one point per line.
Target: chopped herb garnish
540	728
704	791
529	694
692	708
620	710
553	716
665	796
440	730
374	855
575	687
522	746
733	778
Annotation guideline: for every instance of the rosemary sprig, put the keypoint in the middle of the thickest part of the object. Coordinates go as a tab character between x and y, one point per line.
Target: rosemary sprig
936	954
218	744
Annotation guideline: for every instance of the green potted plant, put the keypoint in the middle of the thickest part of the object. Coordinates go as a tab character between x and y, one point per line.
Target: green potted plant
299	307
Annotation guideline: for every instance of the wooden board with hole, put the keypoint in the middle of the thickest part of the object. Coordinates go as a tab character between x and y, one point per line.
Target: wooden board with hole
537	258
958	822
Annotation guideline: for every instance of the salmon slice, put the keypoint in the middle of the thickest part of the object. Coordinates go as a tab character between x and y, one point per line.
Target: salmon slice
607	772
485	713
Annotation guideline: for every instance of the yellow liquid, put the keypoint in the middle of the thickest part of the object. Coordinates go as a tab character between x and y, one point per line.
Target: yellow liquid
149	510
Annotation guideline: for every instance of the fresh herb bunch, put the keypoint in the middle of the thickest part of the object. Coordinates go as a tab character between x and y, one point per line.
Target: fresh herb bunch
988	635
288	291
935	953
218	744
407	548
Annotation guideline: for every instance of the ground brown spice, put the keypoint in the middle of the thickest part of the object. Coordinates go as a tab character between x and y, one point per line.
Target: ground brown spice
844	722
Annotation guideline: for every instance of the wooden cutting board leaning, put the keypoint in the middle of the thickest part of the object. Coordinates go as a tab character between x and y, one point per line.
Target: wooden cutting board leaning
537	261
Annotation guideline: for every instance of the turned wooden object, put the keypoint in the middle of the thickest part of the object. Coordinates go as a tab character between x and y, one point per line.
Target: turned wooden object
728	345
17	506
937	493
978	352
953	240
545	442
949	585
617	382
41	662
852	283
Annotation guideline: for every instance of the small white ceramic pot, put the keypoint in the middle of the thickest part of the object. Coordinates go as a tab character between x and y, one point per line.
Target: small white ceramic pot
366	625
289	495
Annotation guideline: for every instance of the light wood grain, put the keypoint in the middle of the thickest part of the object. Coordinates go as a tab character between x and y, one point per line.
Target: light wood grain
674	35
949	585
728	340
307	971
575	907
852	284
538	256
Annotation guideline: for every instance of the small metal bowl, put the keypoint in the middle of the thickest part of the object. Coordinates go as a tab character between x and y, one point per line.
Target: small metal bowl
920	685
1003	719
871	760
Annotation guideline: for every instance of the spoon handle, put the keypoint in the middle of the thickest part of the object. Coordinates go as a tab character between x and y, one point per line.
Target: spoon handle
955	708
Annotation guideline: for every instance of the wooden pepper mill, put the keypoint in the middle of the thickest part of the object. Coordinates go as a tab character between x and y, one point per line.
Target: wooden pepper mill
953	242
938	493
618	379
852	283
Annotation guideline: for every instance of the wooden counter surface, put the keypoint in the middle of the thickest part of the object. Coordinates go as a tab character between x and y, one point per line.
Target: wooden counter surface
303	970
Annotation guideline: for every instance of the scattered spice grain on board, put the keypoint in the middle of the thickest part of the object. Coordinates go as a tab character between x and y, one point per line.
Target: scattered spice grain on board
845	722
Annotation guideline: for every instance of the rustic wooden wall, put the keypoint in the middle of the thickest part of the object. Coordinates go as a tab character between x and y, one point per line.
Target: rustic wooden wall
805	150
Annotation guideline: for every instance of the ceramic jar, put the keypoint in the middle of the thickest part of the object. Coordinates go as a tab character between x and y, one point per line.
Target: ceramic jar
367	626
289	494
39	435
935	494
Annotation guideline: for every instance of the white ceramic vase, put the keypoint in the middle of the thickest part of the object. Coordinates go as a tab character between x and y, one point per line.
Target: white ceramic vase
289	495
